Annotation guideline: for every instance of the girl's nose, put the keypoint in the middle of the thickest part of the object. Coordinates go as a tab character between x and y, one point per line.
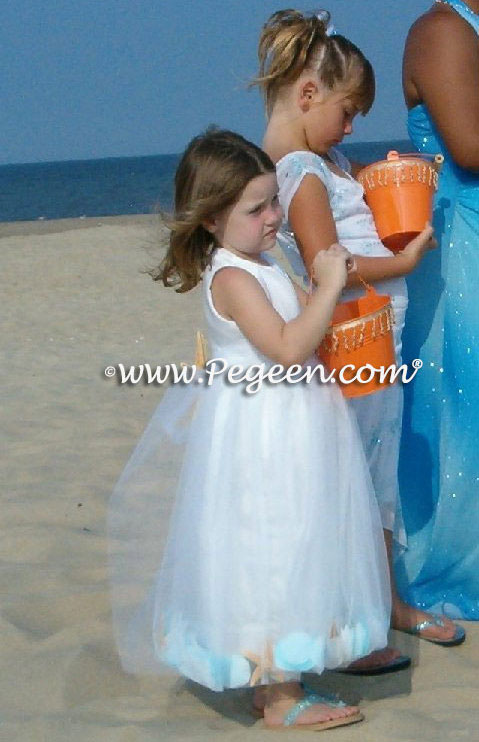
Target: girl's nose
276	214
348	128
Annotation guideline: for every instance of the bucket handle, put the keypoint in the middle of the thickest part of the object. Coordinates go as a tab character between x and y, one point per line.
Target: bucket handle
367	286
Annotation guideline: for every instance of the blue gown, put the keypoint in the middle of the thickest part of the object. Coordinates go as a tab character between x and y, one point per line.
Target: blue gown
439	462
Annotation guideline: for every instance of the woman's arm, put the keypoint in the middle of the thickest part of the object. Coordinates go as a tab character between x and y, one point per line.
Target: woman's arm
441	70
312	222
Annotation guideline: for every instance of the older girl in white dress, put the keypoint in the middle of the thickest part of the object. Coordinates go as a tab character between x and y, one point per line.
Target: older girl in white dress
314	84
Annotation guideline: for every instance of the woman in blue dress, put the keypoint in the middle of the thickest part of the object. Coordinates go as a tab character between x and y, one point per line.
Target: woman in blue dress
439	469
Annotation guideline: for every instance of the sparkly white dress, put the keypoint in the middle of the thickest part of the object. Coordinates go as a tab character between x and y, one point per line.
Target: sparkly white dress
275	561
379	415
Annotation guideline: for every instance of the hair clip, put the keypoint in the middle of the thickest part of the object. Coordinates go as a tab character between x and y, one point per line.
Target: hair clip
325	17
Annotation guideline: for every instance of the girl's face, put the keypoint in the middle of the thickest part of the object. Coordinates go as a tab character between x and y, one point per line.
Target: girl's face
329	120
250	225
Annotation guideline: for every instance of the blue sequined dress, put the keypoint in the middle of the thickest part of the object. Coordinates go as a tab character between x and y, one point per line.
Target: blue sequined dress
439	463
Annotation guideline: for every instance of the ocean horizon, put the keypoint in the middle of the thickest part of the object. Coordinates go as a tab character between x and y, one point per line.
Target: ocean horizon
114	186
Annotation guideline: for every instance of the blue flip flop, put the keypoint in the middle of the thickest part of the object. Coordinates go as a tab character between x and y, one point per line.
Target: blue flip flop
311	699
458	638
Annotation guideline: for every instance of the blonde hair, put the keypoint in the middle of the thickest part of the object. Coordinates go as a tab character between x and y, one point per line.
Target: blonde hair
292	42
212	173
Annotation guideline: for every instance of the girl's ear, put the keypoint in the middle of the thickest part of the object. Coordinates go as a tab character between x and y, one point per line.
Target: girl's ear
307	94
210	225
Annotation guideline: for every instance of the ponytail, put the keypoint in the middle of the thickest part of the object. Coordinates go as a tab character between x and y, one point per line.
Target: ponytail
292	42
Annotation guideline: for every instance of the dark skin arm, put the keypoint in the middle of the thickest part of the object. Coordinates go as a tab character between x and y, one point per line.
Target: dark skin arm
441	70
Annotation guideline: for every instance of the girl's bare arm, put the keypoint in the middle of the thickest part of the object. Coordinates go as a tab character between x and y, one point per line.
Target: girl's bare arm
312	222
239	297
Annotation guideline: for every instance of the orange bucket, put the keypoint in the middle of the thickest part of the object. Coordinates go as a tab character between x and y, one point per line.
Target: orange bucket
399	192
360	333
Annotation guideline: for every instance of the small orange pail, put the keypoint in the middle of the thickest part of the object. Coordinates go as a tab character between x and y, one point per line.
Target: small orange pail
399	192
360	333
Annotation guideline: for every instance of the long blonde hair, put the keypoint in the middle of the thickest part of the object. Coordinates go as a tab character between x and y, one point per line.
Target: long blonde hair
212	173
292	41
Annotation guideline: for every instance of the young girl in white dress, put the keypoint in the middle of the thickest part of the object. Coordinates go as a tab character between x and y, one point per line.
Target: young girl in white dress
275	561
314	84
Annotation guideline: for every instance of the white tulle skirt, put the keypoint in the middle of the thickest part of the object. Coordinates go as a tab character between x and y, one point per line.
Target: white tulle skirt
274	563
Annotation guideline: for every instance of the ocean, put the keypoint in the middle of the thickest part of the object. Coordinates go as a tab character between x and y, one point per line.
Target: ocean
113	186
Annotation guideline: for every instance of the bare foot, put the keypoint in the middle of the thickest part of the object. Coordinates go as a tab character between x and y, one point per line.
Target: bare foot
405	617
281	699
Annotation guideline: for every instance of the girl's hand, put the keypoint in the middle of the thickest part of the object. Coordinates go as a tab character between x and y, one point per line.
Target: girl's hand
330	267
415	250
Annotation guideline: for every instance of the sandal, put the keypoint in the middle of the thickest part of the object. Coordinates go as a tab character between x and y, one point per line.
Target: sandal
330	698
454	641
398	663
311	699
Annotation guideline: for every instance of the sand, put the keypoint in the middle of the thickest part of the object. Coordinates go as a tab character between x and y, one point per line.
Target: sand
75	301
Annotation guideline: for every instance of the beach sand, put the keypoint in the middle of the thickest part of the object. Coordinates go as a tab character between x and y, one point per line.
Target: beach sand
76	301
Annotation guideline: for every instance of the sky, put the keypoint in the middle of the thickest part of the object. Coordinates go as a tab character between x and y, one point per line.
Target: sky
113	78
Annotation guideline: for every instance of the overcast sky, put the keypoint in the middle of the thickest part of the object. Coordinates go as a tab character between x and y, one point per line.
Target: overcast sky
106	78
